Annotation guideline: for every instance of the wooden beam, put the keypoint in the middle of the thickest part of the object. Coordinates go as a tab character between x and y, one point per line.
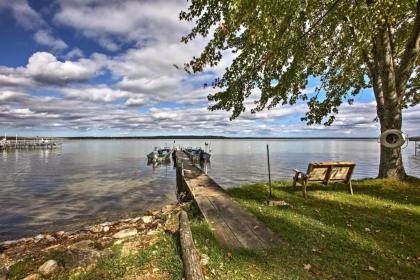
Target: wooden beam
189	254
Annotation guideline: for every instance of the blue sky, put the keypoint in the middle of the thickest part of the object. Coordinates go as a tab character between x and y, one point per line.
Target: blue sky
105	68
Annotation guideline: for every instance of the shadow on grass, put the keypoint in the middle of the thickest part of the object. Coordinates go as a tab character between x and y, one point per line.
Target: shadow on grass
343	235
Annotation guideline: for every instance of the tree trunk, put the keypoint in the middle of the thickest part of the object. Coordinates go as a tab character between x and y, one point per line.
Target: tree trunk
391	164
388	102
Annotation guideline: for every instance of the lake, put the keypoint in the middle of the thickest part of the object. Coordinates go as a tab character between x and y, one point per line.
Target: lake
86	181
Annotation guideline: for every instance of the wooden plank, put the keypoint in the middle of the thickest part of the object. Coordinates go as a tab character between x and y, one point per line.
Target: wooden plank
242	219
239	226
221	230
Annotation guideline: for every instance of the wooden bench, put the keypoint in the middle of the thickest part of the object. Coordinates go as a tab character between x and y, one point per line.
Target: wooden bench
325	172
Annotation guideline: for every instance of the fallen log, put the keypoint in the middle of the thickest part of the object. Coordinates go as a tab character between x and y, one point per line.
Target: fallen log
189	254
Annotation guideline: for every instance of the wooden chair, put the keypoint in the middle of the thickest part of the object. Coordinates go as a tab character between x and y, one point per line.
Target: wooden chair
325	172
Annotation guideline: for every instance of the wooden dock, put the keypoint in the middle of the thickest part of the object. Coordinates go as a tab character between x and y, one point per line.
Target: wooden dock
28	144
232	225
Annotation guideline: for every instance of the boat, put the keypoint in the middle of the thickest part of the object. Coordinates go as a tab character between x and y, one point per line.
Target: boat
197	153
160	155
204	155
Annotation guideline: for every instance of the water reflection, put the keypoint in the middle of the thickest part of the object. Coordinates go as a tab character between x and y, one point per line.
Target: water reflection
86	180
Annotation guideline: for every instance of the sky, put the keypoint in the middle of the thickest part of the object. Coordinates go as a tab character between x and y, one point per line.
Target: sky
106	68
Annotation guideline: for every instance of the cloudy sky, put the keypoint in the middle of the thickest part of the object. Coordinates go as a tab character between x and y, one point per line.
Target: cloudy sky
102	67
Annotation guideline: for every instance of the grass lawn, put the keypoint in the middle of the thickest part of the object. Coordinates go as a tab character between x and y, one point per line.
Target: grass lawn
374	234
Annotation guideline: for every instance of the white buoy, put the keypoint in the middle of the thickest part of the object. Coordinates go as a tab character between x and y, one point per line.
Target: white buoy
393	138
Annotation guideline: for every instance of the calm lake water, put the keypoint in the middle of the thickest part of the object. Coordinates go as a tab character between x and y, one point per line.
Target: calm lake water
95	180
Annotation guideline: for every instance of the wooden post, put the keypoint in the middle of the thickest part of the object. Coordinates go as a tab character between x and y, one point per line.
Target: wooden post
189	254
269	171
182	169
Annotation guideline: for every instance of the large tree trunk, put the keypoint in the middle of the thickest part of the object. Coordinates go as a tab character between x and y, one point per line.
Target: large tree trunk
389	100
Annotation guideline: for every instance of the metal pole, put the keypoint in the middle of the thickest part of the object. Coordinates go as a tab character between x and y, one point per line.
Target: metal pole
269	171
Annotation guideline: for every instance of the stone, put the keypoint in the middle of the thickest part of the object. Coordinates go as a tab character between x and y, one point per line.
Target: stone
48	267
147	219
96	228
105	229
39	237
60	233
152	232
50	238
118	242
135	220
125	233
82	245
35	276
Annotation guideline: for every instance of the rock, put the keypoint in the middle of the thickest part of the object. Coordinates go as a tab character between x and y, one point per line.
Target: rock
39	237
105	229
60	233
125	233
135	220
96	228
152	232
106	224
35	276
118	242
126	220
48	267
82	245
147	219
50	238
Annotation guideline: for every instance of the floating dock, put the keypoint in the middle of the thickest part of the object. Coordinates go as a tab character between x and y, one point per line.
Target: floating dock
232	225
28	144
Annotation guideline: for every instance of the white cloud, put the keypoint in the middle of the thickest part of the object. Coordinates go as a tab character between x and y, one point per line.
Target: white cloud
112	23
44	67
74	53
95	93
44	37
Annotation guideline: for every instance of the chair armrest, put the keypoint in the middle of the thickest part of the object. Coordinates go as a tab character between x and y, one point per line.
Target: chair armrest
297	171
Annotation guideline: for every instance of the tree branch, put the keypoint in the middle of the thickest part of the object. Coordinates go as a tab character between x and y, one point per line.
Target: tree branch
410	55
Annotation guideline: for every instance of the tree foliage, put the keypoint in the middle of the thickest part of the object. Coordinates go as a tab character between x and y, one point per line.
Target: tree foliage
278	45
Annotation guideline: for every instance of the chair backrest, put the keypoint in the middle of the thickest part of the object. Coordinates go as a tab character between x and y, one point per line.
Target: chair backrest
330	171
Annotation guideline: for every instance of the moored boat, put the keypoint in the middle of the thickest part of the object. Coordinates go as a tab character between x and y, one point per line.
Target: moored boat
160	155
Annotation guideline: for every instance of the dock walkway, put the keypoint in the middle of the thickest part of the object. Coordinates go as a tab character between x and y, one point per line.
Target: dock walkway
232	225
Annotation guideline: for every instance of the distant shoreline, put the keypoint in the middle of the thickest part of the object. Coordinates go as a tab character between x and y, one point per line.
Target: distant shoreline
187	137
210	137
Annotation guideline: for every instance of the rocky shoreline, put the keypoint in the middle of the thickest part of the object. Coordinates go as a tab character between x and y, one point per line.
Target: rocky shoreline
77	251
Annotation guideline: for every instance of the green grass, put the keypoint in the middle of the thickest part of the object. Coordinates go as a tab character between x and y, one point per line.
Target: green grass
374	234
